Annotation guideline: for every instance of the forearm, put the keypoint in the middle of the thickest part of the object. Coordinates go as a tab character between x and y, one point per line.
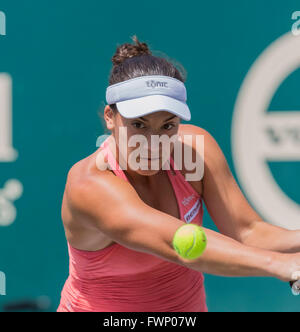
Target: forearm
266	236
226	257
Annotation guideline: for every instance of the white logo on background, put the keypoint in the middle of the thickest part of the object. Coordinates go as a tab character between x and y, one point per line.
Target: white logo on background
2	24
296	25
259	136
2	283
12	189
7	152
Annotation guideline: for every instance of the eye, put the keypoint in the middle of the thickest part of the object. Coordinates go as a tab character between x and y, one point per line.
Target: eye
138	125
167	126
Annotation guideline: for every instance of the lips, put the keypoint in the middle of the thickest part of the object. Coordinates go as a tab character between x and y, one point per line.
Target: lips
147	158
150	159
154	158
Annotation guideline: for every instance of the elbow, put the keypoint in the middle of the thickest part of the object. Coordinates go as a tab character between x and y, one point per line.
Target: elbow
247	235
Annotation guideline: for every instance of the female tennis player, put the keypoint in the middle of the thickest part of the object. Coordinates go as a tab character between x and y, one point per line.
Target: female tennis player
119	223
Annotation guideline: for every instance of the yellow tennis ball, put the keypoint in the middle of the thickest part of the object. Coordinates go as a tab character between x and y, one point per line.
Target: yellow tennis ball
189	241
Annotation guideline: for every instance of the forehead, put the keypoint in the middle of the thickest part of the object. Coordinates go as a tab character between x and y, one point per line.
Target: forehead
157	116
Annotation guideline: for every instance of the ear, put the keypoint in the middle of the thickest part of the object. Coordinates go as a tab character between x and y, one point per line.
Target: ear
109	118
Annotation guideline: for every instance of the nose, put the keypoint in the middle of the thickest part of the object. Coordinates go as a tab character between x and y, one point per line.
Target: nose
152	154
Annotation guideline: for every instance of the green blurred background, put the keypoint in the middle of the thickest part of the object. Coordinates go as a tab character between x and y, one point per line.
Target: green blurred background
58	55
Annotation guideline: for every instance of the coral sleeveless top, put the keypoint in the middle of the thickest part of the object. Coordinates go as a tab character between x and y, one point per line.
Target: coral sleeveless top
118	279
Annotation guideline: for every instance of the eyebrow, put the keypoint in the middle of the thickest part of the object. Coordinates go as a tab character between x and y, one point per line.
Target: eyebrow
172	117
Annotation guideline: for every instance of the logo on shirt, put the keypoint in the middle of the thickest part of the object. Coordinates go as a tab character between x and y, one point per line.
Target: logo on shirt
187	200
191	214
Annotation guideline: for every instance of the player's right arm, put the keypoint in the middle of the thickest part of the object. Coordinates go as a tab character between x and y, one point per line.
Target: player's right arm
112	206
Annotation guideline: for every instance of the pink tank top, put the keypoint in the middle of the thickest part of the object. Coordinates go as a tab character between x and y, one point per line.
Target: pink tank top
118	279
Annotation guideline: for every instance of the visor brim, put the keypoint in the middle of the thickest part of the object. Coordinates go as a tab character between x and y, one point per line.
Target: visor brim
135	108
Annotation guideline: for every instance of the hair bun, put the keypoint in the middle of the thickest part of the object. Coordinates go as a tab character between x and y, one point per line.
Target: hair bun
127	51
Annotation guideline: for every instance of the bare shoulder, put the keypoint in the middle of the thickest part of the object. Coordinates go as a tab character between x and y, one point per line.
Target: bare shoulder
81	176
80	180
89	179
212	149
90	191
190	132
193	130
215	162
198	139
208	154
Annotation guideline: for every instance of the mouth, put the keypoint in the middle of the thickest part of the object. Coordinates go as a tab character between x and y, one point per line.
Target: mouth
149	159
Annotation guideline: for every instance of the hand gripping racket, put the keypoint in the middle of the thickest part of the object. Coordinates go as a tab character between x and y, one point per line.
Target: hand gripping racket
295	285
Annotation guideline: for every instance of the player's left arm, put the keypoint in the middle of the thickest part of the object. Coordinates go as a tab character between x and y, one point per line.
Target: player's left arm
230	210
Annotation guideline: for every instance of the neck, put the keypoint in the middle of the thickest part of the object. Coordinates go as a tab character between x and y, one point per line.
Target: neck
147	181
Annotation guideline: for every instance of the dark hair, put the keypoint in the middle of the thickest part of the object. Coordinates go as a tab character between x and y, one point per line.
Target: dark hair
131	61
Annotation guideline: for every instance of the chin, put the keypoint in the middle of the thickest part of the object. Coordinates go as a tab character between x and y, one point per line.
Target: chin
148	172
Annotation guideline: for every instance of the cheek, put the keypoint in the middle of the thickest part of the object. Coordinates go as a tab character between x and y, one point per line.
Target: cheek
126	138
123	132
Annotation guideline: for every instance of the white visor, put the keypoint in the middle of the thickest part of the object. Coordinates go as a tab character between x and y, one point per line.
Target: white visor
148	94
